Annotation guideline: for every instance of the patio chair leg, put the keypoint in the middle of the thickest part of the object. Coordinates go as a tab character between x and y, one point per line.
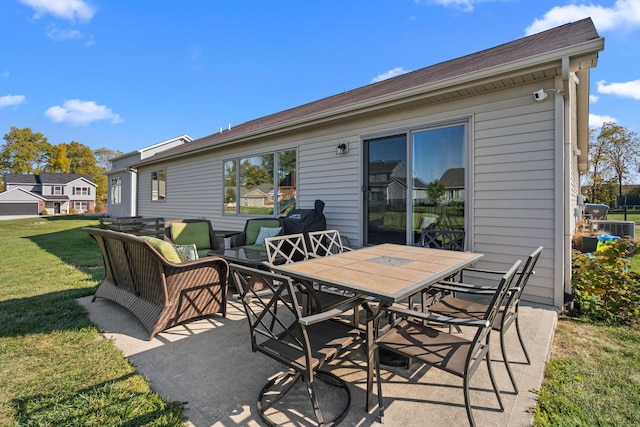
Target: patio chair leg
526	355
493	380
379	380
506	362
314	402
467	403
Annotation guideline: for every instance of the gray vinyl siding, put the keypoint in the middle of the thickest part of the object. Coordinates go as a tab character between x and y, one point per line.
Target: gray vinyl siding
511	171
514	186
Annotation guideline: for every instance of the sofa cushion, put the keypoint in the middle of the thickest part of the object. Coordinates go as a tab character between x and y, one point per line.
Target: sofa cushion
266	232
186	252
253	228
185	233
165	249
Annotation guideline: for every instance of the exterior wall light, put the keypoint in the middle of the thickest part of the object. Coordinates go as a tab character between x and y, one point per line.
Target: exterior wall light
342	149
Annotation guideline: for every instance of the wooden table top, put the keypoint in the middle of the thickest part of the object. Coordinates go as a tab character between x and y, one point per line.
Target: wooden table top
387	272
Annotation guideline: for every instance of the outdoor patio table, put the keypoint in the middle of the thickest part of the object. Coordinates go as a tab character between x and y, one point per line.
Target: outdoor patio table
243	256
387	273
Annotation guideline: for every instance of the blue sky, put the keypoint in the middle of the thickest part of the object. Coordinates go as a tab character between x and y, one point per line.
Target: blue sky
126	74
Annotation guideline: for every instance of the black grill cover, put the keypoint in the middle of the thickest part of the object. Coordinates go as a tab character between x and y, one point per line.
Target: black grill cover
305	220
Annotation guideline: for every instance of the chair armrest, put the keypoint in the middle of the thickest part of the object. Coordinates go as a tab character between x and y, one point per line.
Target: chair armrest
483	270
404	312
463	288
218	243
238	240
330	314
467	288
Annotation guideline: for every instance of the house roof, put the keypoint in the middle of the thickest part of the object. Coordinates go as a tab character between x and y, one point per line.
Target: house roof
6	195
45	178
542	48
453	178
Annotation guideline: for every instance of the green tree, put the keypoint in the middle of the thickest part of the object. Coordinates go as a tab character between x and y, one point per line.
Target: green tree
623	151
103	157
59	160
24	152
435	191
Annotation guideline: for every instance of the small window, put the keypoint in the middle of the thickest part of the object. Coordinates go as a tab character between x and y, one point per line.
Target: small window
159	185
57	191
116	191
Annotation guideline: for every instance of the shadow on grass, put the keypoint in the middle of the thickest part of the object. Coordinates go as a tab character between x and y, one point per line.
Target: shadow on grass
73	246
42	314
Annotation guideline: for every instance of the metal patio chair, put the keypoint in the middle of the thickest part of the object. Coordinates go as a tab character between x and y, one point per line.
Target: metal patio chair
410	337
449	239
303	344
453	306
327	242
292	248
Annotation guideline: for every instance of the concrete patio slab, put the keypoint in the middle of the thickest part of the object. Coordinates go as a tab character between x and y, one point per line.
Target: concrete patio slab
209	365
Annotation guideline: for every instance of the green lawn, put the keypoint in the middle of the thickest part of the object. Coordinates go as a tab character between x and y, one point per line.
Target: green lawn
593	377
56	369
631	216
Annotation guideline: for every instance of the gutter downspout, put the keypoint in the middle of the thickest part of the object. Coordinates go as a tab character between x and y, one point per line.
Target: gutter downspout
133	191
565	269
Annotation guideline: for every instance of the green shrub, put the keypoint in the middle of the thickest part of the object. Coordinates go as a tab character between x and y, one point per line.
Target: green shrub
604	286
44	212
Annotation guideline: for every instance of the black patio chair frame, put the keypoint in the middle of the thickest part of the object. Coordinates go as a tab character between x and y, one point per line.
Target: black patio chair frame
304	344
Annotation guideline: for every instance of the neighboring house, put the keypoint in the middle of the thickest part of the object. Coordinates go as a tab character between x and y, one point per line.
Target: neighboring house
477	113
121	178
453	181
57	193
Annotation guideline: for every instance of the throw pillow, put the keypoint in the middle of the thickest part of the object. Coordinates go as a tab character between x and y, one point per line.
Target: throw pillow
267	232
164	248
186	252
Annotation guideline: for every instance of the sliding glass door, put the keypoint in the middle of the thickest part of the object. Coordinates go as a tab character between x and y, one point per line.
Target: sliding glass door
414	180
386	190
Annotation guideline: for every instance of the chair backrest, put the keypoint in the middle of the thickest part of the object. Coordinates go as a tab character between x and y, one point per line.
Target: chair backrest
496	302
252	227
325	242
286	249
273	313
452	240
513	299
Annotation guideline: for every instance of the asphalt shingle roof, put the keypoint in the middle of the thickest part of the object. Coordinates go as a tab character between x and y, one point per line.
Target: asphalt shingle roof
547	41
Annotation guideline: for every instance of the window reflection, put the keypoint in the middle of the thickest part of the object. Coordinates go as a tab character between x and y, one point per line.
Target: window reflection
260	185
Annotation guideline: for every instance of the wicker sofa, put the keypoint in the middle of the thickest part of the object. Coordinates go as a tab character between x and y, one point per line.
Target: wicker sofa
161	294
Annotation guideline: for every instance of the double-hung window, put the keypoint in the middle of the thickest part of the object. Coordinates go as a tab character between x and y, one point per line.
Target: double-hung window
116	191
264	184
80	191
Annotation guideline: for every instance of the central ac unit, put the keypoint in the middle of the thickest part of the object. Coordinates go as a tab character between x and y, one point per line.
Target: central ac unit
616	228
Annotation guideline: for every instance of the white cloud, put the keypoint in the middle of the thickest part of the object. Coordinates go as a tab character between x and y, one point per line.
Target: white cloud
79	112
391	73
593	99
61	35
596	121
624	90
624	15
8	100
466	5
71	10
